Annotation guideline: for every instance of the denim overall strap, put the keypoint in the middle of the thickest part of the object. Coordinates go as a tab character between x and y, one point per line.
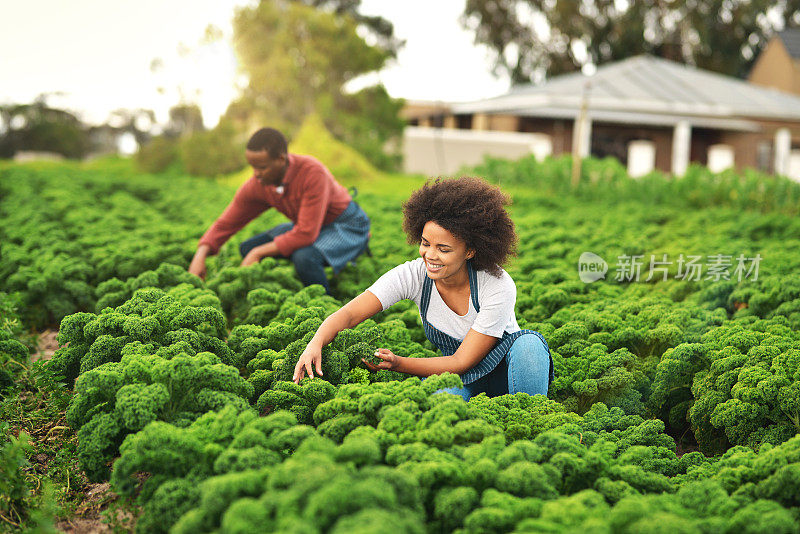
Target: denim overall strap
444	342
427	288
473	285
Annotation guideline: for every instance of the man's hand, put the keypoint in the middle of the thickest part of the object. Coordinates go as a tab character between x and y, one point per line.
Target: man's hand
311	357
252	258
259	253
198	265
390	360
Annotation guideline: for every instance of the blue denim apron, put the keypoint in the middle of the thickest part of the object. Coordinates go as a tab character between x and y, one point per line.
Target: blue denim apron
339	242
345	238
448	345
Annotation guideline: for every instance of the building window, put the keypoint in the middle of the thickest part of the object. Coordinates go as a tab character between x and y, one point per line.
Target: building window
608	142
464	122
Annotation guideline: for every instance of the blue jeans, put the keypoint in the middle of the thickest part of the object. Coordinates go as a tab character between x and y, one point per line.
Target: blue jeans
525	369
309	263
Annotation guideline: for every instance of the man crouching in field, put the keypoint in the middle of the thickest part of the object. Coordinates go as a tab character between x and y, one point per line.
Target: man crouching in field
327	228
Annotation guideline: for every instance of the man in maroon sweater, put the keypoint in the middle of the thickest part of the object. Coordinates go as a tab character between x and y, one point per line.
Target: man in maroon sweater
327	228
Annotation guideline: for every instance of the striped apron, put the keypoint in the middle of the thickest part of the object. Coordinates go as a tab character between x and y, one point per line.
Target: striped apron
448	345
345	238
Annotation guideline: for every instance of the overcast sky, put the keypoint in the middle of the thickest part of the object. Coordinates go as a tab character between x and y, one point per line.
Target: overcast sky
99	53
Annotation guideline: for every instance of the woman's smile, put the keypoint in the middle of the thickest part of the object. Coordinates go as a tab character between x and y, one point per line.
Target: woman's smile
433	267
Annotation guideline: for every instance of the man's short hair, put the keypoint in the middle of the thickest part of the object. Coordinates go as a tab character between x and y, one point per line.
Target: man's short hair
268	139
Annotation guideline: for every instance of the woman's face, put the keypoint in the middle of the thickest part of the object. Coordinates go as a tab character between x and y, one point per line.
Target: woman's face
445	255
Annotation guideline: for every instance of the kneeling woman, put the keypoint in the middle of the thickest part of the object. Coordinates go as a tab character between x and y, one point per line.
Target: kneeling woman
466	300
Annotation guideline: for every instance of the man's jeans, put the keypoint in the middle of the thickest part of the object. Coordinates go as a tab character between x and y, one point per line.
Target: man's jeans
308	261
525	369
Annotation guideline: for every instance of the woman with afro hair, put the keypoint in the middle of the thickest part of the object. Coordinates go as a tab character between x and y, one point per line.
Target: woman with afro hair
466	299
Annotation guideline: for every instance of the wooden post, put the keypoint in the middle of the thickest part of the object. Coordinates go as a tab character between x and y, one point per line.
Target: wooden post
581	137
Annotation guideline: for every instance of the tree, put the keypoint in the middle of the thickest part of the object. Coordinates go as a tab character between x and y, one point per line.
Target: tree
367	120
186	146
379	28
212	152
138	122
39	127
532	39
184	119
298	59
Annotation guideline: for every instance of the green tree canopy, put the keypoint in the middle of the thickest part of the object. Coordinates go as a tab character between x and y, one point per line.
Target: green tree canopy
380	29
298	59
186	146
39	127
137	122
531	39
184	119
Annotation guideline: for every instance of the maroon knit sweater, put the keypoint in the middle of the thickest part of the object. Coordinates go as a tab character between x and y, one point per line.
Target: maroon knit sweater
311	198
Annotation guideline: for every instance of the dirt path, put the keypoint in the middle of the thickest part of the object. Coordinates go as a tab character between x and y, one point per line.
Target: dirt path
46	345
89	517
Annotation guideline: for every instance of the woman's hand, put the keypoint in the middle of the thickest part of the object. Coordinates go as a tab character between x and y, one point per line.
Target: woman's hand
311	357
390	360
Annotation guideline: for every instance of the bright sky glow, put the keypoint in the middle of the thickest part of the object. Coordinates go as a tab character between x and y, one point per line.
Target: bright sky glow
439	60
99	54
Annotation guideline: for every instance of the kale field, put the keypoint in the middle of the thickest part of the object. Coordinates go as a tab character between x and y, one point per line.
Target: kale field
671	307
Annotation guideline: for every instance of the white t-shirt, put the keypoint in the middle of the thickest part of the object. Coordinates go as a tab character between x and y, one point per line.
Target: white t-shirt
496	297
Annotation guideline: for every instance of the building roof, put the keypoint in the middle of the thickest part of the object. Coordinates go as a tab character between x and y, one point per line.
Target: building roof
791	40
423	108
647	89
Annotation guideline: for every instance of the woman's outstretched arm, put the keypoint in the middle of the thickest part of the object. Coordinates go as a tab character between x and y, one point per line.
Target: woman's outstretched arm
351	314
472	350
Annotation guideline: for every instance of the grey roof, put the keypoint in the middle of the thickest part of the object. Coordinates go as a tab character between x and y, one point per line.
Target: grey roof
791	40
648	88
